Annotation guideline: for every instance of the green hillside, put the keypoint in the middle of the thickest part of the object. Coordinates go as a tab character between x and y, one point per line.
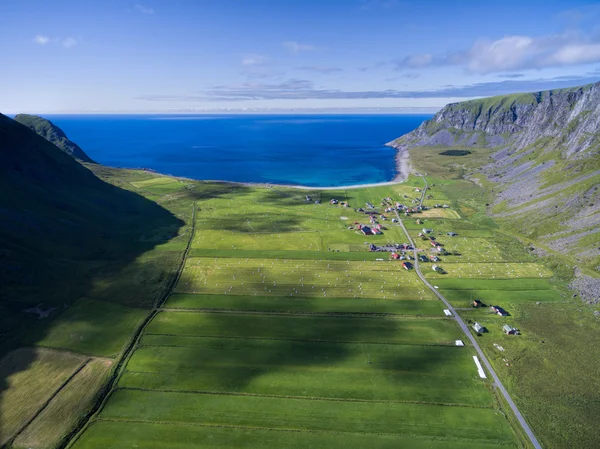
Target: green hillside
62	229
53	134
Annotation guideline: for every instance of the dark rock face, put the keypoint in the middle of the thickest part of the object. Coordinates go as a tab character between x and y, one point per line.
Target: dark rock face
53	134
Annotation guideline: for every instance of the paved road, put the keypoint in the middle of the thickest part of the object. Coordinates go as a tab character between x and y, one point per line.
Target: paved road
468	333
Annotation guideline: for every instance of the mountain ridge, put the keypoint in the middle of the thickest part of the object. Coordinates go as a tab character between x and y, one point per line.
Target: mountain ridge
53	134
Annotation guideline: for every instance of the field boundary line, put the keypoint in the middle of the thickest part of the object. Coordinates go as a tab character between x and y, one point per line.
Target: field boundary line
392	316
451	345
72	437
47	402
302	398
330	432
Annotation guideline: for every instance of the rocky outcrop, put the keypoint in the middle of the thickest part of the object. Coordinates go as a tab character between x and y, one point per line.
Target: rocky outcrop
53	134
544	156
516	121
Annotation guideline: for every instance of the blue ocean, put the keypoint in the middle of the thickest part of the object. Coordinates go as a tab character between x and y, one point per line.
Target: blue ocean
312	150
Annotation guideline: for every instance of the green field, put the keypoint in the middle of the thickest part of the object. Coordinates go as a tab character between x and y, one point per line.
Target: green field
124	435
401	305
429	374
317	415
28	390
66	408
93	327
304	279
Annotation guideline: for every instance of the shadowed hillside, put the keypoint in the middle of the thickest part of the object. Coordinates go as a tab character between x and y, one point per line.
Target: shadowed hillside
53	134
64	235
62	228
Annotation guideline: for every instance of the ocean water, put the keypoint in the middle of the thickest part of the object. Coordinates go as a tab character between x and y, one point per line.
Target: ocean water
313	150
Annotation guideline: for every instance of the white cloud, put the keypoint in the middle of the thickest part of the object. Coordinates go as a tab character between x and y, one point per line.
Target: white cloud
69	42
296	47
512	53
42	40
251	60
144	9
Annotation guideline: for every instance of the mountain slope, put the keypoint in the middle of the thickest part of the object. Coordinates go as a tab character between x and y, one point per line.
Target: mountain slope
542	152
62	229
53	134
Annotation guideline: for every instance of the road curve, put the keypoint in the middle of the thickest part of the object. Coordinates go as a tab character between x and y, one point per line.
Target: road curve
467	332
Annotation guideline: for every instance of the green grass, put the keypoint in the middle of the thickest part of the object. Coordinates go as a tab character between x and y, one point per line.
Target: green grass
428	374
500	270
400	306
317	415
93	327
65	409
124	435
32	376
321	328
316	278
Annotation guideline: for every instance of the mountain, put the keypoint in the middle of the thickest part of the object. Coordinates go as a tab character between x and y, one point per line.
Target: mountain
541	152
54	134
62	229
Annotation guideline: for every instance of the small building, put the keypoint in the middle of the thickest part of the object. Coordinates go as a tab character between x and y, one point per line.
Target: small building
407	265
499	310
436	268
376	231
476	303
308	198
365	230
427	231
452	234
333	201
395	256
447	312
509	330
479	328
434	258
459	343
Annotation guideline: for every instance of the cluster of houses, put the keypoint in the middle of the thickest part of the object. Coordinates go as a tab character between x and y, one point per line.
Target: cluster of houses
341	203
507	329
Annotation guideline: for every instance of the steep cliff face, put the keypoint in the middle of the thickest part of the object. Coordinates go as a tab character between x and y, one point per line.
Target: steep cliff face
543	152
53	134
516	121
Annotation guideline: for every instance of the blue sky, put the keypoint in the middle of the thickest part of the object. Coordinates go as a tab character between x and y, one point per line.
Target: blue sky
195	55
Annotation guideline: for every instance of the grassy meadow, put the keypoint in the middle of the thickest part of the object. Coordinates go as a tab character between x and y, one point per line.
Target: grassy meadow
285	330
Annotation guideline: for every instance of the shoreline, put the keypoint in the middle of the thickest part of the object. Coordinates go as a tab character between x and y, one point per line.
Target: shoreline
403	169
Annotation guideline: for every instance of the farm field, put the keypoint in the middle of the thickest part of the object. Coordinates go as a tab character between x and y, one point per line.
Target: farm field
316	278
402	305
284	331
48	370
125	434
66	408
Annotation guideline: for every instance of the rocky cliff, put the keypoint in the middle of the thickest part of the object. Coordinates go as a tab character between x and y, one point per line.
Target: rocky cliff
517	121
542	151
53	134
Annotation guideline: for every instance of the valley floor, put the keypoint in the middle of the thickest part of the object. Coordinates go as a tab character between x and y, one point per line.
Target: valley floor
284	330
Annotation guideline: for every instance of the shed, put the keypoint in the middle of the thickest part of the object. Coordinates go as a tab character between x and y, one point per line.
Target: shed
459	343
447	312
499	310
479	328
509	330
477	303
